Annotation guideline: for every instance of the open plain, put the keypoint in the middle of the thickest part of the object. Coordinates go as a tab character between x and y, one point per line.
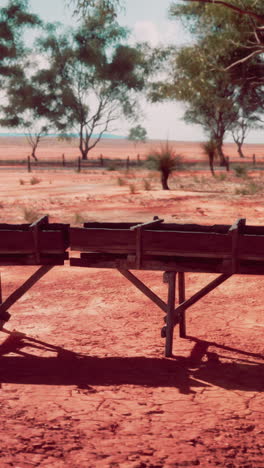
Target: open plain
83	381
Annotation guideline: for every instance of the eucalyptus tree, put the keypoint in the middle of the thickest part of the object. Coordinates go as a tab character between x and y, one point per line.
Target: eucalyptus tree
14	18
137	134
92	78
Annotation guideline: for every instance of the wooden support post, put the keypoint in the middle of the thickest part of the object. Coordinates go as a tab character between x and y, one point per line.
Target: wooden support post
171	277
79	164
138	159
101	160
63	160
181	292
254	159
139	228
127	163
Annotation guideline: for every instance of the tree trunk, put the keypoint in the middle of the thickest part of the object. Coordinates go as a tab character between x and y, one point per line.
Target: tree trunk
33	153
211	164
222	159
239	150
164	180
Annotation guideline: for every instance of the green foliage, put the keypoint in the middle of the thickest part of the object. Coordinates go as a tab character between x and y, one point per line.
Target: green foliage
137	134
92	77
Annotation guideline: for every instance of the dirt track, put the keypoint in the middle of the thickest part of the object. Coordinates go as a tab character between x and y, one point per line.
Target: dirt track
88	386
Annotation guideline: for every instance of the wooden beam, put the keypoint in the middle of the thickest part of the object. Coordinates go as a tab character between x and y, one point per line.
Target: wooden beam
144	289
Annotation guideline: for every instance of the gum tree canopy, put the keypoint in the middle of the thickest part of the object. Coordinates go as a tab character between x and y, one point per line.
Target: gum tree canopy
92	77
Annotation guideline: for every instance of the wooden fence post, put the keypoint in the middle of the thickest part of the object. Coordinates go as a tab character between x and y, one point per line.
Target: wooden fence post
79	164
254	159
63	160
138	159
101	160
127	163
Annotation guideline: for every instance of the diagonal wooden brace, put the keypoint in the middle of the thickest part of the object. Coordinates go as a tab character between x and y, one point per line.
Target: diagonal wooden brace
196	297
19	292
144	289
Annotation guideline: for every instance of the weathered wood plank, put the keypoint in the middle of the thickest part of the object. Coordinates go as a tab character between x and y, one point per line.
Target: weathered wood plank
153	242
22	242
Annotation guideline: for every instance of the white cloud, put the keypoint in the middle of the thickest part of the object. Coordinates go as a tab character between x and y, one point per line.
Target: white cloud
146	31
165	32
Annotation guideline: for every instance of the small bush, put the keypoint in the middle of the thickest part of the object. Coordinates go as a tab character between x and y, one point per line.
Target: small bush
30	215
147	184
241	170
22	182
132	188
112	166
78	218
35	180
221	177
121	182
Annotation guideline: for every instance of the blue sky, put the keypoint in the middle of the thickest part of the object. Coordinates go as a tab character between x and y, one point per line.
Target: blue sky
147	20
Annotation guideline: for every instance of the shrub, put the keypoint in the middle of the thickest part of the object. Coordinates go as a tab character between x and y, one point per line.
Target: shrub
121	182
78	218
35	180
30	215
132	188
165	160
147	184
22	182
241	170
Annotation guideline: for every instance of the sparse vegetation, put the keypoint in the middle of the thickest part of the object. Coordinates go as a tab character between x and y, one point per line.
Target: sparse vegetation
22	182
79	218
241	170
121	182
249	189
30	215
132	189
34	180
147	184
221	177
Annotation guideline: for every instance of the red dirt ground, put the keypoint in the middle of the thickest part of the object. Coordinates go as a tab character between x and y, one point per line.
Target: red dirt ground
87	384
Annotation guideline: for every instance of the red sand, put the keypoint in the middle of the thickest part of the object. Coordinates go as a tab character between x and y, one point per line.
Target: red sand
97	392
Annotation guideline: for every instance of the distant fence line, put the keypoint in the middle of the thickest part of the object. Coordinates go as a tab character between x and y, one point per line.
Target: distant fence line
76	164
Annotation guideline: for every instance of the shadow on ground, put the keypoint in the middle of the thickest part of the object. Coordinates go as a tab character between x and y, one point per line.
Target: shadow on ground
200	369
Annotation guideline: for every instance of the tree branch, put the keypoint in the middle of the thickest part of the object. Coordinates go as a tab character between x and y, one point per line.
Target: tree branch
241	11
